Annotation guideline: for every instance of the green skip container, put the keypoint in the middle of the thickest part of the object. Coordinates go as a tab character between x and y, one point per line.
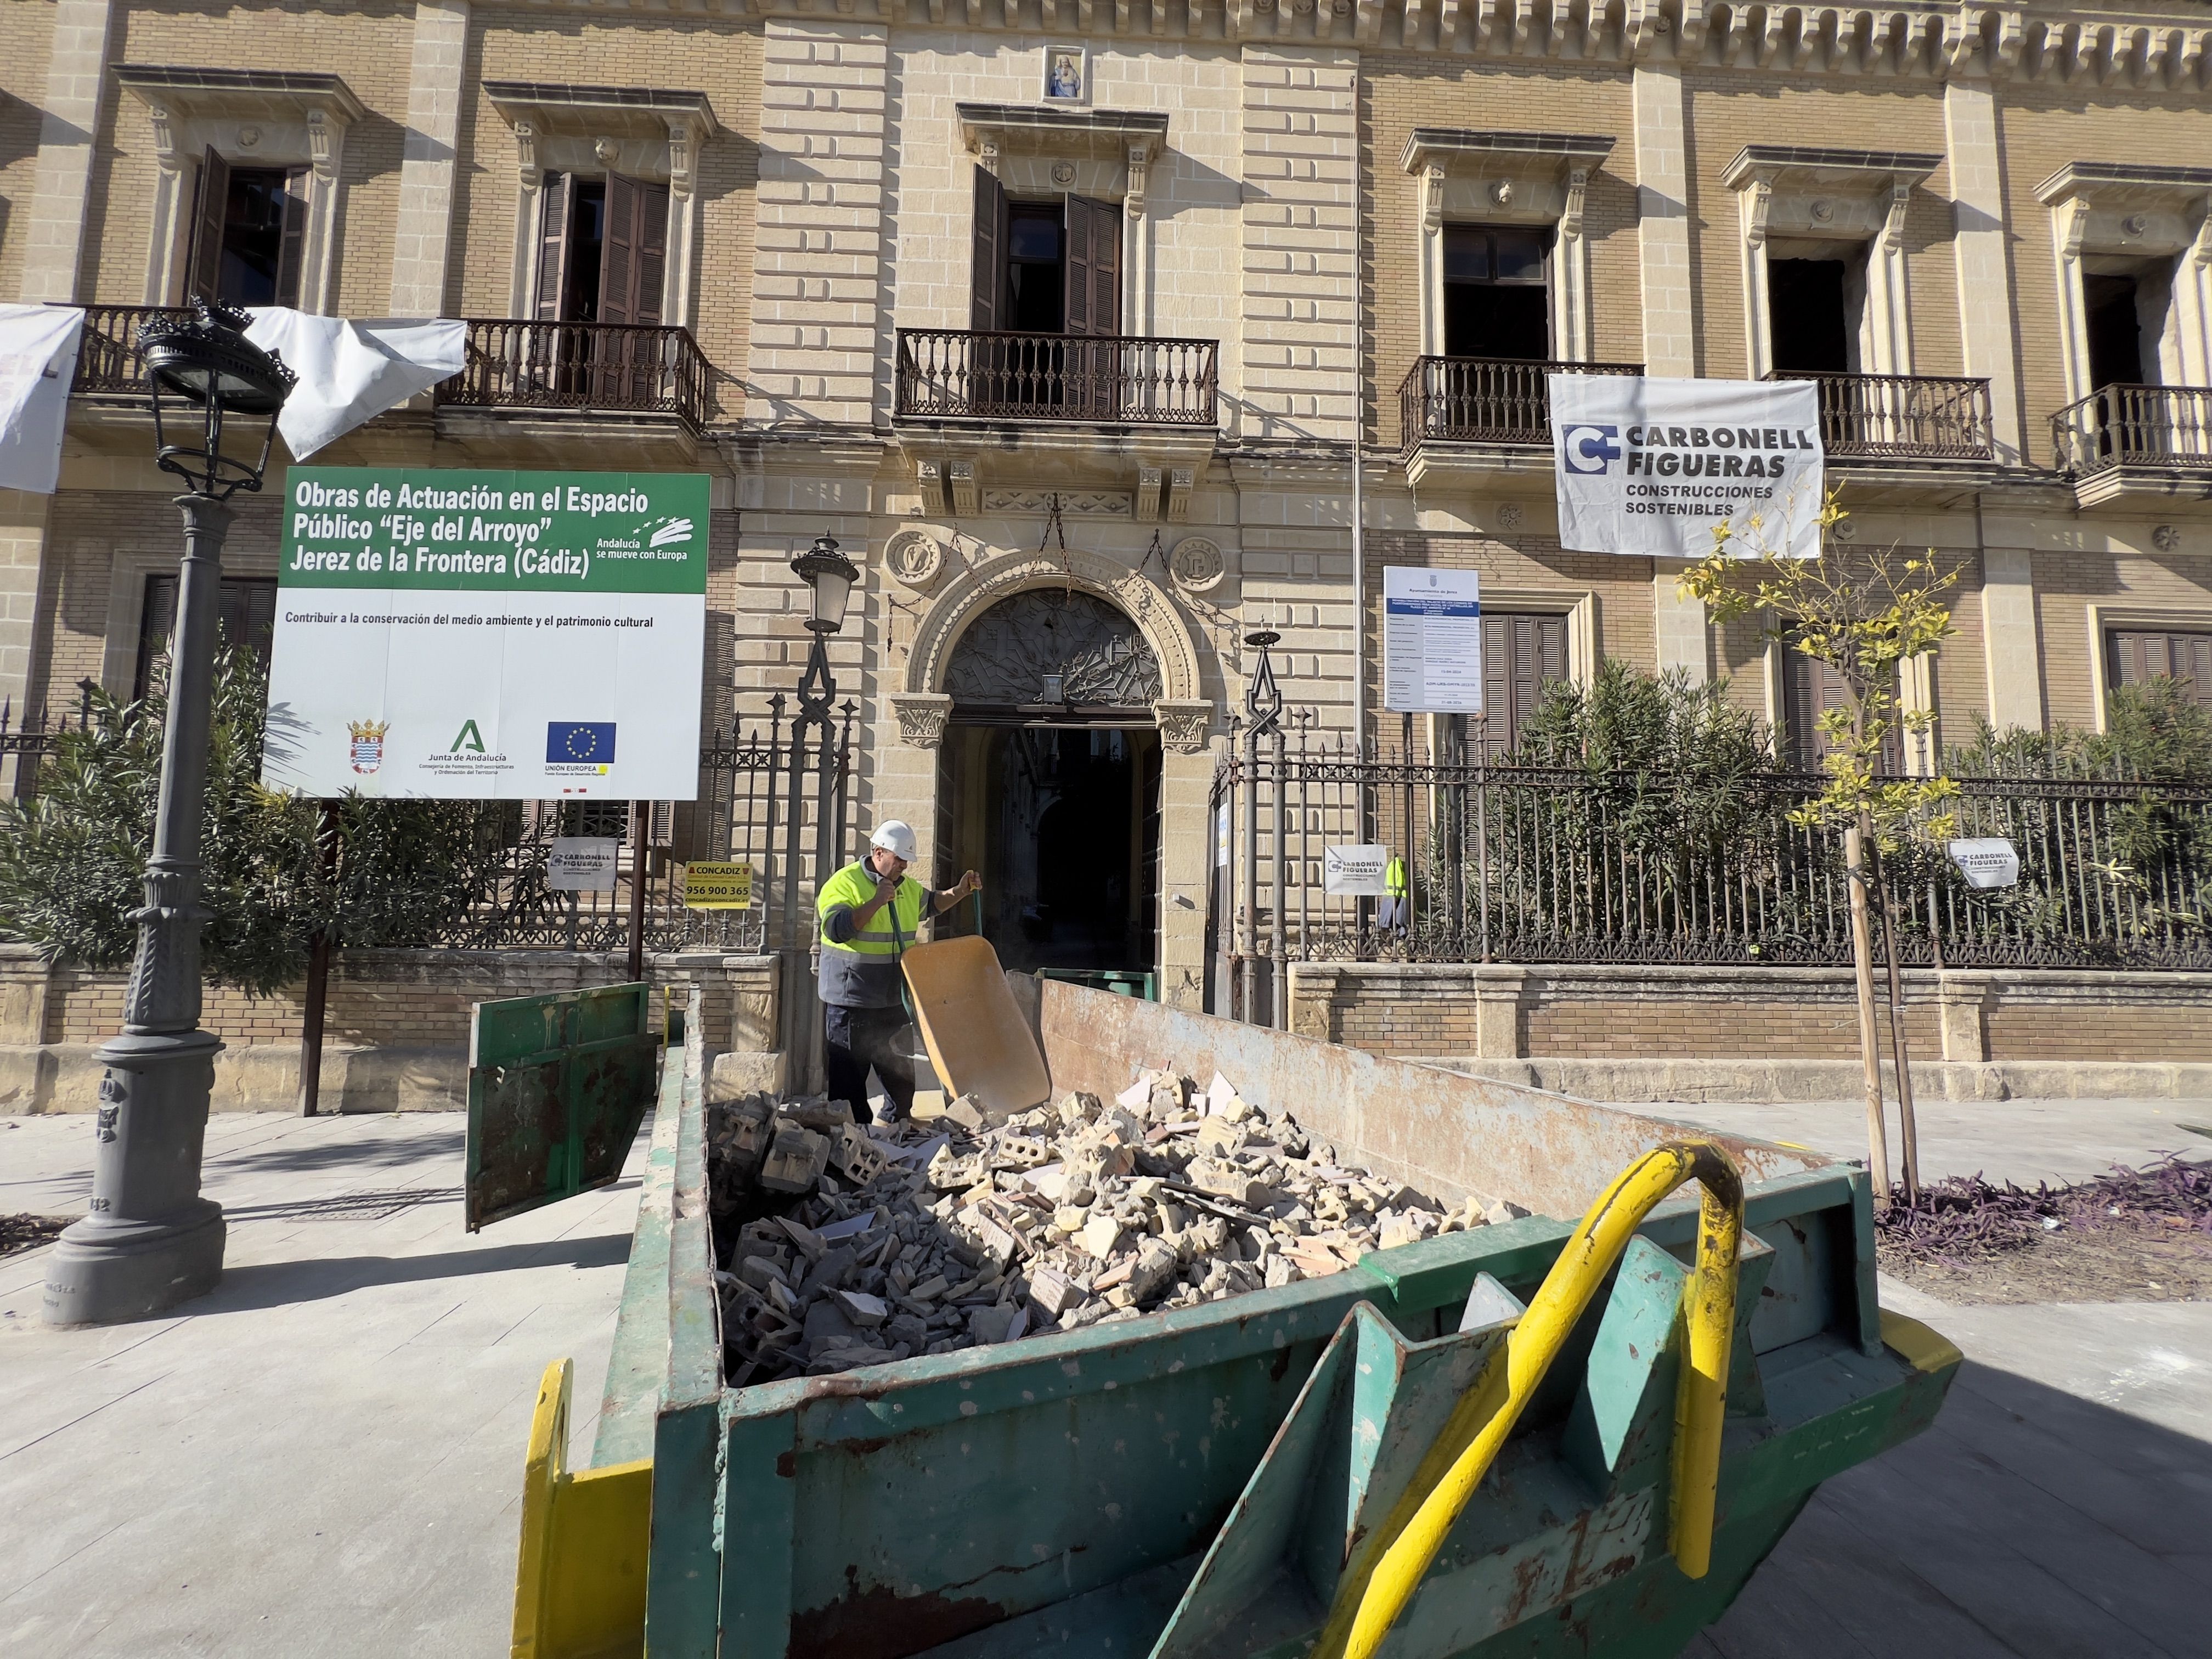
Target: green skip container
1191	1482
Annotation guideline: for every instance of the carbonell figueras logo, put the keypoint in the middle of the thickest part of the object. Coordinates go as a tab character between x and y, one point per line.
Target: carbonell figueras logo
367	751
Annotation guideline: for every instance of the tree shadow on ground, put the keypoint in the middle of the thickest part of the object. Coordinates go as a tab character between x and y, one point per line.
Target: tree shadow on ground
284	1283
2027	1523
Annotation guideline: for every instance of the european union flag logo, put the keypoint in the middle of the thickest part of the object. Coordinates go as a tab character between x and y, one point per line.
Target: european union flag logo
579	742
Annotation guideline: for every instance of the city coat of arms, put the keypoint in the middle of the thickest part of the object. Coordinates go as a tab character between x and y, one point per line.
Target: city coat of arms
368	744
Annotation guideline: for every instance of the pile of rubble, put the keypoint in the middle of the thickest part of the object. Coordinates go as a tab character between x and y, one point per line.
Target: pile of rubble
839	1245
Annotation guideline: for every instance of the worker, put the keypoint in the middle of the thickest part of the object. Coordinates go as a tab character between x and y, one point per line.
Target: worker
870	913
1396	911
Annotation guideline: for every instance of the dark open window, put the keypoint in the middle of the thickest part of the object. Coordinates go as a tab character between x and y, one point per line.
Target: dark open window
249	230
2114	315
1047	267
1520	655
247	609
603	252
1496	293
2133	655
1809	314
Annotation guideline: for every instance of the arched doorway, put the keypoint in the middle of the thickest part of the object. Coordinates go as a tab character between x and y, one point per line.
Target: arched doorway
1049	783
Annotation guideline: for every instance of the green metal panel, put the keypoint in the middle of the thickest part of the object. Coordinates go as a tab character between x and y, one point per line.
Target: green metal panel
1121	981
557	1087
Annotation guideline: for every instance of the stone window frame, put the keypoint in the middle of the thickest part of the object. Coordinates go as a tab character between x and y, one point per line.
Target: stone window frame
252	118
1105	154
1854	197
1537	180
650	133
2130	210
2103	617
1916	694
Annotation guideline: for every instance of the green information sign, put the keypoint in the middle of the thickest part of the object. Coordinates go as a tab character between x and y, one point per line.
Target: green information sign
510	636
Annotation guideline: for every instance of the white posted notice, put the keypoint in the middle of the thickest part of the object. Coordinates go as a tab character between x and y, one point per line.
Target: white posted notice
1431	640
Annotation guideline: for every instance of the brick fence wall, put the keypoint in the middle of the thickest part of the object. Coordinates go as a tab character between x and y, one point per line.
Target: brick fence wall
1506	1012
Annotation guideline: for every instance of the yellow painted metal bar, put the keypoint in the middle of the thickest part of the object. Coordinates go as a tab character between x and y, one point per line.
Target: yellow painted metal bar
1377	1589
581	1572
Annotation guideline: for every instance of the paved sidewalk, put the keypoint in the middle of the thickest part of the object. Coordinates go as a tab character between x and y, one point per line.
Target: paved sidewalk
325	1455
2061	1504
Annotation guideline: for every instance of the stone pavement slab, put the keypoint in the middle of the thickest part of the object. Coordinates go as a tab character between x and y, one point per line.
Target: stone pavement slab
2061	1504
324	1456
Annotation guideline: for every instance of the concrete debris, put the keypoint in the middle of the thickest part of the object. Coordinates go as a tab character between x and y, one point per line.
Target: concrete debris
839	1245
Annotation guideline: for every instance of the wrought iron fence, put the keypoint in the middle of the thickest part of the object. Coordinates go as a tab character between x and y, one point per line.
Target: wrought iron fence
1883	416
2135	426
1515	864
1123	378
31	737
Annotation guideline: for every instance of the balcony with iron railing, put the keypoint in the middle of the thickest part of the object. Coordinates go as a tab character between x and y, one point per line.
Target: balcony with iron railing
1901	417
1106	380
2140	433
611	368
1485	400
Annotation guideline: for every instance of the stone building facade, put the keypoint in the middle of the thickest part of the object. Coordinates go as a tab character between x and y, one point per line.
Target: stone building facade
1071	323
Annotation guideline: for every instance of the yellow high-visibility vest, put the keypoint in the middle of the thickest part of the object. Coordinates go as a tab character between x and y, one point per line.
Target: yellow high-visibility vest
889	931
1394	879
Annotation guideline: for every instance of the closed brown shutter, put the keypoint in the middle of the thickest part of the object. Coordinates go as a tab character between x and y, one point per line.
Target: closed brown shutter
553	247
1810	689
2133	656
984	304
246	607
203	268
1520	655
291	253
651	252
1093	269
618	253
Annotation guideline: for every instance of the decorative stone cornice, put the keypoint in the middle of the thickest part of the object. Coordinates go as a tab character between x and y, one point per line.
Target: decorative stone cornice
1108	135
1184	726
539	111
922	717
320	105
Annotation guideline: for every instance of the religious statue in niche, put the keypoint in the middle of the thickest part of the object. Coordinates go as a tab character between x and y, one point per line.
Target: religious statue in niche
1050	645
1064	74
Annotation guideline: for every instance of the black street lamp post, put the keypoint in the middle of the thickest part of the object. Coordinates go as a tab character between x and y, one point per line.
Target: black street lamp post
149	1239
828	575
1263	706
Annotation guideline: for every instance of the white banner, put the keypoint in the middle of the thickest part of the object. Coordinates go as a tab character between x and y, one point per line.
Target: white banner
1355	872
351	371
1654	467
582	864
38	362
1986	861
1431	640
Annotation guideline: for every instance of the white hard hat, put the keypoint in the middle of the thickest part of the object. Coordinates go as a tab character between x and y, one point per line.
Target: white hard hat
897	837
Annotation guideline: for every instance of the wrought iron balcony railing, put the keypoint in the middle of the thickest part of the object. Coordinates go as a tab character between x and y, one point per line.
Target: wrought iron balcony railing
1486	400
609	368
959	373
2151	425
1902	417
617	368
107	357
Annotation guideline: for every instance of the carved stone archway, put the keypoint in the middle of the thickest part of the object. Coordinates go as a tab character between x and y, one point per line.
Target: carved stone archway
922	705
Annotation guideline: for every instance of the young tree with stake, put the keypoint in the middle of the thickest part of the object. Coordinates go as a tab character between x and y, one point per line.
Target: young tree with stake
1863	615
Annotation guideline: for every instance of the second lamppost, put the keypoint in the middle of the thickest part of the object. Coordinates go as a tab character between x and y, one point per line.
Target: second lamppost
151	1240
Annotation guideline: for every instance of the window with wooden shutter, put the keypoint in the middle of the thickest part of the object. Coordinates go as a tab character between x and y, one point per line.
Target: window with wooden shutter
1093	270
986	300
2133	655
635	263
1810	689
553	247
1520	655
292	246
247	606
203	268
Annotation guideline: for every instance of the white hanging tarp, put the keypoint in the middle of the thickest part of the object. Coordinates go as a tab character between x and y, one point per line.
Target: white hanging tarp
1656	466
38	360
352	370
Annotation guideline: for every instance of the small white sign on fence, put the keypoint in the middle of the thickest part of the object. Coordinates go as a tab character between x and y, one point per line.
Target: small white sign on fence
1355	872
1989	861
582	864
